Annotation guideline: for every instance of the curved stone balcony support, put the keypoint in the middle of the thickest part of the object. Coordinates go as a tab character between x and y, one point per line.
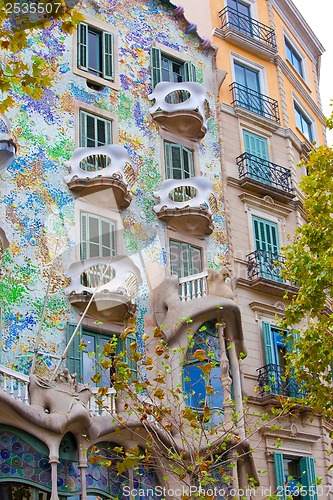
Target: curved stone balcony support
187	204
180	108
115	281
7	145
96	169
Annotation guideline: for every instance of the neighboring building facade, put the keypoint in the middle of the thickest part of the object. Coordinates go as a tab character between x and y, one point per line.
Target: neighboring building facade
271	114
152	167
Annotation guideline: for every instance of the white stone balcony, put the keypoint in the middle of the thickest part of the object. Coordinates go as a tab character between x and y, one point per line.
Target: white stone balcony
187	205
113	283
102	405
193	287
98	169
14	384
180	108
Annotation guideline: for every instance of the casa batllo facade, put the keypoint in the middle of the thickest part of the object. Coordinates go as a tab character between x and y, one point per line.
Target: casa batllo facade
112	207
154	168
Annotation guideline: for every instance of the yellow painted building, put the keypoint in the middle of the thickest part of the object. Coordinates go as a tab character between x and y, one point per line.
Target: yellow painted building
269	61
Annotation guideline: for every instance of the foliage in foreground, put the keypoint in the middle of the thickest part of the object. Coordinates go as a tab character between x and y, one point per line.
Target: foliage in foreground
309	265
17	21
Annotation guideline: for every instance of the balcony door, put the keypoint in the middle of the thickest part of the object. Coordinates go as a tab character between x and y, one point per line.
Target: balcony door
266	242
248	93
239	17
257	163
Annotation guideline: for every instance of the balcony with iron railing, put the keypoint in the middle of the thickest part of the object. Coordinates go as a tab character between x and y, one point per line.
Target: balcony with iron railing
180	108
99	169
255	102
265	177
264	273
187	205
107	285
246	32
272	379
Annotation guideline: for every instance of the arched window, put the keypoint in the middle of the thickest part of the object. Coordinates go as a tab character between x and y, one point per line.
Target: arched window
202	387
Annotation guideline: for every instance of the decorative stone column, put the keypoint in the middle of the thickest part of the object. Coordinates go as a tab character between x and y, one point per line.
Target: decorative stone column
83	469
225	376
53	460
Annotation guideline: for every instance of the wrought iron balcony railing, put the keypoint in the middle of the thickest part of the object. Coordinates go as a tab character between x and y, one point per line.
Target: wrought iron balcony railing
231	18
265	264
272	379
264	171
255	101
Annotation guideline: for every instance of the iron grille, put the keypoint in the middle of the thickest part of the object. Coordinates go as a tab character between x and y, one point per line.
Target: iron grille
231	18
272	379
264	171
255	101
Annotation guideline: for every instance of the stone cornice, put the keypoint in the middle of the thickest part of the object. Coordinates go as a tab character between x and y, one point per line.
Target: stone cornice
292	17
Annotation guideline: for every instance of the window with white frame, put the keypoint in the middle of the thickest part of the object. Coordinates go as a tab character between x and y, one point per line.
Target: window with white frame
89	348
304	123
94	130
178	161
294	57
165	68
97	237
95	51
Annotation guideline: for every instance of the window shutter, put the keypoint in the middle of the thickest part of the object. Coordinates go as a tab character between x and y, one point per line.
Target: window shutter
268	343
83	247
74	355
83	129
108	132
255	145
190	73
82	46
175	258
279	474
108	63
308	478
156	66
168	160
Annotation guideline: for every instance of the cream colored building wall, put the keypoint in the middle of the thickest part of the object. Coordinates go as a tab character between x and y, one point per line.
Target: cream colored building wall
199	13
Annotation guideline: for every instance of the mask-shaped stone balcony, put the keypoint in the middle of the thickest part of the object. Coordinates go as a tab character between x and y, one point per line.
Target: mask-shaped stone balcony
180	108
106	286
187	205
99	169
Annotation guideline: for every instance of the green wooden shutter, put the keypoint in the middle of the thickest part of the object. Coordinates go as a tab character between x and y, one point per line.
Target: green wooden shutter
108	132
175	258
74	355
83	236
269	347
279	474
82	129
156	66
187	164
108	62
308	478
265	235
82	46
255	145
189	72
